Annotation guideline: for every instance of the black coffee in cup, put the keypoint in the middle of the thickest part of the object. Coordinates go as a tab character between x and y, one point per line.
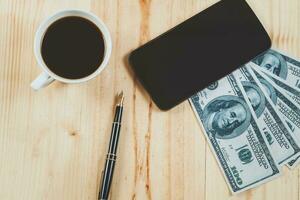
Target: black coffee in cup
73	47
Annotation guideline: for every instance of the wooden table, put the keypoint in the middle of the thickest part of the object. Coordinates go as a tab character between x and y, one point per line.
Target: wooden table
53	142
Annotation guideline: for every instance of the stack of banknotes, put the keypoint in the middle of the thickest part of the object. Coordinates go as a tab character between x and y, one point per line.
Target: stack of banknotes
251	119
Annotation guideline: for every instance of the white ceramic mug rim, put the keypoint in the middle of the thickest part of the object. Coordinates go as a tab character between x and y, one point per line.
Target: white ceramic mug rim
64	13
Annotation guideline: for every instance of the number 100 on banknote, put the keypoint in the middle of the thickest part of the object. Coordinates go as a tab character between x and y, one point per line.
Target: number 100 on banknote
233	134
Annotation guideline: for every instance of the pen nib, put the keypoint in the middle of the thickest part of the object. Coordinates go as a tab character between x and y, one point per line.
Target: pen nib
120	98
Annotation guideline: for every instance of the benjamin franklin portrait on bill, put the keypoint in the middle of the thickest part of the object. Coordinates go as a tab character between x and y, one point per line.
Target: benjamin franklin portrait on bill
269	89
273	62
226	117
255	96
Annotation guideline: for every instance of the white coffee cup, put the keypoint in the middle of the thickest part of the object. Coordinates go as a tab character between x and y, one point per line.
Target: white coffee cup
48	76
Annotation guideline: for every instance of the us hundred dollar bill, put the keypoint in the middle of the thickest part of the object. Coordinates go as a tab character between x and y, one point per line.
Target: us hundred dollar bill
291	91
281	141
233	135
283	66
285	105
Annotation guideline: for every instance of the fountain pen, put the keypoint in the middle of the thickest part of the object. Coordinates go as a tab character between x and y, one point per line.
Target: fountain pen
107	173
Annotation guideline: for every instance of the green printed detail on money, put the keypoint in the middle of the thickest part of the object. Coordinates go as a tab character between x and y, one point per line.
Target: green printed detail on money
293	92
285	105
281	141
234	136
280	65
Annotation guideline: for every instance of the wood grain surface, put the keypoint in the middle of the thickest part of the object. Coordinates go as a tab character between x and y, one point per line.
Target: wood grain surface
53	142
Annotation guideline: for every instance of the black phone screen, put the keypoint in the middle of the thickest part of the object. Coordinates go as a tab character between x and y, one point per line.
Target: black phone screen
198	52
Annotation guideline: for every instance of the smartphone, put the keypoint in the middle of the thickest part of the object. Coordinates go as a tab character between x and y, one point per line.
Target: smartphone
201	50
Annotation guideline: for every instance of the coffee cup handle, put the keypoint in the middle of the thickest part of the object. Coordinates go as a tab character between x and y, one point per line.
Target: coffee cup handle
41	81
